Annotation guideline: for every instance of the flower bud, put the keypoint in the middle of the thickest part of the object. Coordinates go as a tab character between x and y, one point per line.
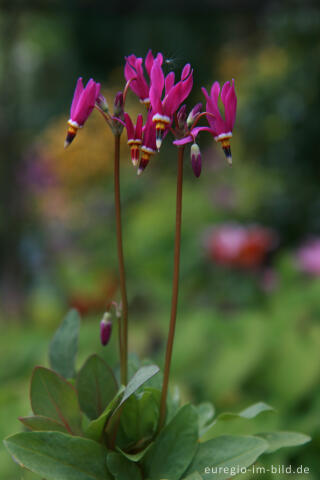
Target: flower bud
194	114
196	159
102	103
118	105
105	328
182	117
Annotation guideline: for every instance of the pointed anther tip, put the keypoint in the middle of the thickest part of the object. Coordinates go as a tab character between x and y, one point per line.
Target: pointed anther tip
158	143
135	163
229	159
139	171
66	144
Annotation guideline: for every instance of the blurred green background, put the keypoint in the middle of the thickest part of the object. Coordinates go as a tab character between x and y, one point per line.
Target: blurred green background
244	334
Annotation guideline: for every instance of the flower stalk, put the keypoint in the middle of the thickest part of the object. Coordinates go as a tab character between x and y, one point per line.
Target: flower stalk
123	322
175	290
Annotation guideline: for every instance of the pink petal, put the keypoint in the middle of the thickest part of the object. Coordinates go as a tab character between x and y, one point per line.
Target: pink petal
184	140
76	96
230	107
129	126
159	58
224	92
149	61
169	82
139	124
214	93
157	84
185	72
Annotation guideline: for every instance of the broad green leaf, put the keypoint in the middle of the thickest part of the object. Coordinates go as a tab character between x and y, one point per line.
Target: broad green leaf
57	456
174	447
139	420
139	378
53	397
122	468
218	458
95	428
205	414
96	386
250	412
39	423
64	345
277	440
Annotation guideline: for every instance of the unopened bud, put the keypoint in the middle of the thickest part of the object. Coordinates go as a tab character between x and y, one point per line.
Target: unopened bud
105	328
194	114
182	117
118	105
102	103
196	161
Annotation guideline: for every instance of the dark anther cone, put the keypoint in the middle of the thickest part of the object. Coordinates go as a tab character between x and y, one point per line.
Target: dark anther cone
69	138
227	152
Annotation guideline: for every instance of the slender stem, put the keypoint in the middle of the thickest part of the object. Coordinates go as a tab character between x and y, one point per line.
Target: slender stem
175	289
123	323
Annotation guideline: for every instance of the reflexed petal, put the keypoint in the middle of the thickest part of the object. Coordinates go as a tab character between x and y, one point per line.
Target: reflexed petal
157	78
139	124
185	72
149	61
169	82
129	126
183	141
224	92
76	96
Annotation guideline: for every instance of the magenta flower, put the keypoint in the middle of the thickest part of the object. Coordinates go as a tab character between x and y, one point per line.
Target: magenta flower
174	94
83	103
133	72
149	146
308	257
105	329
220	128
134	134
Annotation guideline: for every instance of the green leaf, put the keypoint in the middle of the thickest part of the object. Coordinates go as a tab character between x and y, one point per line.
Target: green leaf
40	424
53	397
139	420
250	412
64	345
205	414
96	386
138	379
277	440
222	454
122	468
57	456
95	428
174	447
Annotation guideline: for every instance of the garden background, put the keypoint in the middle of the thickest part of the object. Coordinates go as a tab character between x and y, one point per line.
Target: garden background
246	332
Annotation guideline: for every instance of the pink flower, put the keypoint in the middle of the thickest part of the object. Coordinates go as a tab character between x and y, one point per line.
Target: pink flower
174	94
149	146
134	134
83	103
133	72
239	246
308	257
220	128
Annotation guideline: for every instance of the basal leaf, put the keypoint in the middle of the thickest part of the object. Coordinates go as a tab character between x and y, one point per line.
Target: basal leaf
250	412
219	458
205	414
139	378
39	423
96	386
122	468
64	345
53	397
57	456
174	447
277	440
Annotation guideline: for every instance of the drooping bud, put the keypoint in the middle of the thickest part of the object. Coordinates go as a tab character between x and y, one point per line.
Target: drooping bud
196	161
118	105
194	114
182	117
105	328
102	103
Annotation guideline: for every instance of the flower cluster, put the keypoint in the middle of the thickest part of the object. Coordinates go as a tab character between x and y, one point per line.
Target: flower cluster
163	98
